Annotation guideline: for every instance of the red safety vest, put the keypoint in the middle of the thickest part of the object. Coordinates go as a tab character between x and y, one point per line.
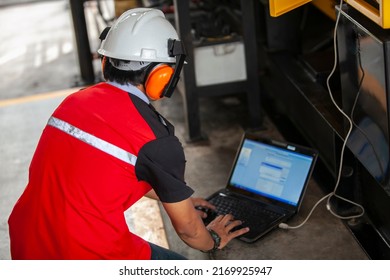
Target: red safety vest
73	206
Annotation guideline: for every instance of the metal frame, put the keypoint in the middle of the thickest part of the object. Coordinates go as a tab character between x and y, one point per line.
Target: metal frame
85	56
191	92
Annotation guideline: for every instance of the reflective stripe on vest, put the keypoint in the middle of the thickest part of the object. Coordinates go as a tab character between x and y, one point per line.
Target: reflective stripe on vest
94	141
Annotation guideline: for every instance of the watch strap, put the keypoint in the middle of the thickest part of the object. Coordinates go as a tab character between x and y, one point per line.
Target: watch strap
217	241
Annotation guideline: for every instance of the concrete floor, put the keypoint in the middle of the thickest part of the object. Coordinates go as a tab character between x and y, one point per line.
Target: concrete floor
39	68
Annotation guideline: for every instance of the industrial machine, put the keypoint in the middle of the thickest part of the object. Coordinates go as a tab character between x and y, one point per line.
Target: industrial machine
333	67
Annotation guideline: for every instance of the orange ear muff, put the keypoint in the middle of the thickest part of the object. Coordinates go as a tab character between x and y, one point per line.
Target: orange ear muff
157	80
104	61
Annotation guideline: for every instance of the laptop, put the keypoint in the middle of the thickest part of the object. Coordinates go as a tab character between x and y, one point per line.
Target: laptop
266	184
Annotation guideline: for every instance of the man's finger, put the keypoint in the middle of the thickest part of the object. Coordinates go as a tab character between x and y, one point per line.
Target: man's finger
236	233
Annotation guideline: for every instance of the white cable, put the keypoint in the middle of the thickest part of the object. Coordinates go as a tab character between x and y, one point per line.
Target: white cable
333	193
286	226
349	130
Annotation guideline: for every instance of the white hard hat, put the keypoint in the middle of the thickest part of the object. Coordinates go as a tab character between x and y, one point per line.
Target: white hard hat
140	34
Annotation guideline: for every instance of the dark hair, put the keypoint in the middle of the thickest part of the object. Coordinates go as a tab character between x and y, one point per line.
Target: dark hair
112	74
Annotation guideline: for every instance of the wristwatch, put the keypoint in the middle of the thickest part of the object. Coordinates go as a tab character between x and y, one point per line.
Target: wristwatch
217	241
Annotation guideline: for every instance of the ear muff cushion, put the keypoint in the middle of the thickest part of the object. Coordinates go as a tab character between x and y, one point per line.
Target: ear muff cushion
157	80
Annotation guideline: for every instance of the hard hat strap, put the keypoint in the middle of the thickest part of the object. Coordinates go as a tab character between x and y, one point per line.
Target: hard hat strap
176	49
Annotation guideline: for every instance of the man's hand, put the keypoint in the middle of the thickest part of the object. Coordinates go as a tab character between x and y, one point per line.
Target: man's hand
190	227
202	203
223	226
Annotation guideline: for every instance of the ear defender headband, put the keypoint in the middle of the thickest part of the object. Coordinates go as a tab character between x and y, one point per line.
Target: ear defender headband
162	79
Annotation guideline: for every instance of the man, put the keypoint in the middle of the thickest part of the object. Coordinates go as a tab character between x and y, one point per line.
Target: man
104	148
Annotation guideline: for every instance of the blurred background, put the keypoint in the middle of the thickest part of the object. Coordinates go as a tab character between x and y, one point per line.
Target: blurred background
248	70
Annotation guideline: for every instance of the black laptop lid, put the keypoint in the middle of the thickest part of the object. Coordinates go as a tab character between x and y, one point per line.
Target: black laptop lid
272	171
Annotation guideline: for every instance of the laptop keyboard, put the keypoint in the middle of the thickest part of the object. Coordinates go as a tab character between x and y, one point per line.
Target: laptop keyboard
248	212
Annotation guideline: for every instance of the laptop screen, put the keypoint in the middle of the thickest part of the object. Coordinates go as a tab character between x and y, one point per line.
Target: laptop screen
279	172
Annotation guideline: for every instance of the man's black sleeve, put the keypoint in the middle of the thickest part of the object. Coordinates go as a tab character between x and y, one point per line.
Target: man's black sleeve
161	163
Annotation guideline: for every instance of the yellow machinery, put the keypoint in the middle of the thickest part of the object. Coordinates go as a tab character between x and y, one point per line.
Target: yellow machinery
279	7
123	5
376	10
